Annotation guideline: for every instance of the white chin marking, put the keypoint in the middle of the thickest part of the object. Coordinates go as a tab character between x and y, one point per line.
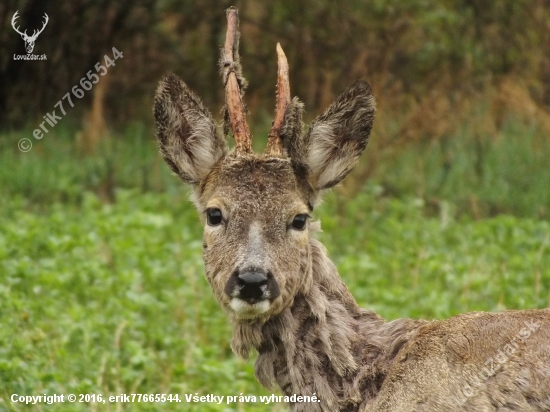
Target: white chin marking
245	310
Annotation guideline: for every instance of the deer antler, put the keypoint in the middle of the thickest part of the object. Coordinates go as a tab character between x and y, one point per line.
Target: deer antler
234	82
37	32
274	142
15	16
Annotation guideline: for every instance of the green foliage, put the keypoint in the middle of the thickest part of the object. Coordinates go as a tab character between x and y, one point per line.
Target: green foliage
401	263
479	175
111	298
101	277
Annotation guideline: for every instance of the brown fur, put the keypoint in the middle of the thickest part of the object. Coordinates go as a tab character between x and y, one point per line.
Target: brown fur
313	338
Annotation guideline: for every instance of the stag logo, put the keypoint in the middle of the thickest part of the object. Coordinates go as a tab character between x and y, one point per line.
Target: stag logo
29	40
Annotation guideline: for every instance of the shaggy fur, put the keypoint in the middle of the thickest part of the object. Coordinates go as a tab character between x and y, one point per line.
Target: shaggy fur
324	343
337	138
313	338
186	133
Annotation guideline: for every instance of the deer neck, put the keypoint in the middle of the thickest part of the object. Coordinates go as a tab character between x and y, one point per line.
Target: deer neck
323	343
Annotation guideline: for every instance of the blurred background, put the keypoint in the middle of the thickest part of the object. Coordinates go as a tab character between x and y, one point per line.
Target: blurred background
461	85
101	285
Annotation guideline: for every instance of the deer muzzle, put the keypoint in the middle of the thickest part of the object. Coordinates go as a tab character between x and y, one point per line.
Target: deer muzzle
251	290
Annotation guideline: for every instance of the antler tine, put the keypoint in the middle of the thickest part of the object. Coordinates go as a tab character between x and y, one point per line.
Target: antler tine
46	20
37	32
274	141
13	19
233	82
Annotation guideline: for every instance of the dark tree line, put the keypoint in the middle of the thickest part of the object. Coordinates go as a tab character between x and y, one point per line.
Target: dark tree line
405	49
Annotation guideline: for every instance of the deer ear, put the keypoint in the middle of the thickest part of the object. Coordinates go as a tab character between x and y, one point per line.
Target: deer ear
186	133
337	138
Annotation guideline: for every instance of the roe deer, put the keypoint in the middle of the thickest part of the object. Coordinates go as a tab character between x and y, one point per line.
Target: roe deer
284	296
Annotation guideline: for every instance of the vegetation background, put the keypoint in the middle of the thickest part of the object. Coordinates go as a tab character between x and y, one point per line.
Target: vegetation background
101	278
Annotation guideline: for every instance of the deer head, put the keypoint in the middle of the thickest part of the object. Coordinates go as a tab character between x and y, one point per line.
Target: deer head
256	208
29	40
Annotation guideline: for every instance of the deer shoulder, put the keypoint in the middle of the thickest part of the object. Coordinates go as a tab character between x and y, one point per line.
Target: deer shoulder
472	362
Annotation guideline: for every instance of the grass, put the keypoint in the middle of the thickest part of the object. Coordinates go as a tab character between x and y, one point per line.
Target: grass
101	277
479	175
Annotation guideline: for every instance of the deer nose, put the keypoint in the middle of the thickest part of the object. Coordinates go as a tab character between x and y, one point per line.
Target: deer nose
251	285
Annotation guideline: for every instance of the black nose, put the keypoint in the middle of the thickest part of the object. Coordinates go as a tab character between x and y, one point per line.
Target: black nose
251	285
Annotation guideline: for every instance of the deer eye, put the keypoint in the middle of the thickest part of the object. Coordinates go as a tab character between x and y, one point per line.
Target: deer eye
213	216
299	222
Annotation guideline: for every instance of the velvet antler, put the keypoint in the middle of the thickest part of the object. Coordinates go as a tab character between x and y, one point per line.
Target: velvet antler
274	142
234	85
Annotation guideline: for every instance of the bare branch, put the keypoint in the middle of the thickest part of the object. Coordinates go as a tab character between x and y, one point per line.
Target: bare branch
274	142
234	83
